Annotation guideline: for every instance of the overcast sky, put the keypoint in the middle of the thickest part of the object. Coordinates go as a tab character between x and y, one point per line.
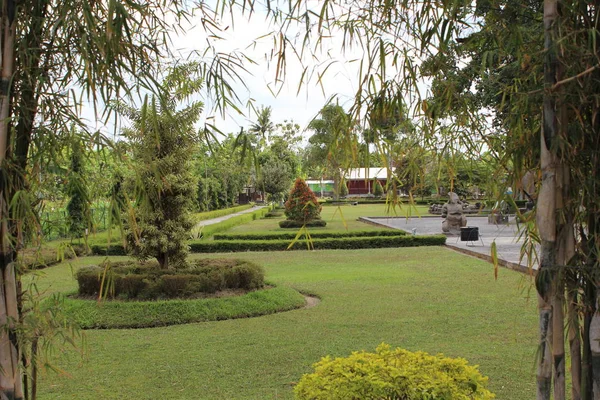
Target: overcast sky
287	105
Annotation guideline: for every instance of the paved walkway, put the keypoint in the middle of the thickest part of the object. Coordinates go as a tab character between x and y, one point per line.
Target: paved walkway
226	217
505	236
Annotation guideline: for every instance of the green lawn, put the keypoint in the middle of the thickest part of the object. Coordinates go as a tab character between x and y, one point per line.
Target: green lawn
338	218
430	299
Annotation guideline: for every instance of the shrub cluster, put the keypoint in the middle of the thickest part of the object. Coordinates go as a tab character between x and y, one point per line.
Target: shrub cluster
314	223
223	246
314	235
147	281
393	374
273	214
302	204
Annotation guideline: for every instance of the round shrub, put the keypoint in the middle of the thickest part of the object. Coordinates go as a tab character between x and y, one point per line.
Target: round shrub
393	374
302	204
144	281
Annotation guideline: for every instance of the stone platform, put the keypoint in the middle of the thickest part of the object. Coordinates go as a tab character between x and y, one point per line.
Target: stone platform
505	236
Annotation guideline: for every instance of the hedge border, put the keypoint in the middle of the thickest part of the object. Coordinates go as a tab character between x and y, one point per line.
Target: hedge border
203	216
209	230
344	243
289	224
225	246
314	235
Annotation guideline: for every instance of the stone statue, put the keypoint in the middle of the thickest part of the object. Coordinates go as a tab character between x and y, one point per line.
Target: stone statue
452	213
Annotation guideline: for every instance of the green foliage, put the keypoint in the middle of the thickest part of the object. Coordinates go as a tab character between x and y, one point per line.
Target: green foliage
299	224
209	230
275	179
377	189
42	257
347	243
78	207
88	314
393	374
163	139
149	282
343	189
332	145
302	205
314	235
220	213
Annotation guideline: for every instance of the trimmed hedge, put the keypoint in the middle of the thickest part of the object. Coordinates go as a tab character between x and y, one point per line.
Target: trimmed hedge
203	216
147	281
314	235
315	223
273	214
209	230
223	246
393	374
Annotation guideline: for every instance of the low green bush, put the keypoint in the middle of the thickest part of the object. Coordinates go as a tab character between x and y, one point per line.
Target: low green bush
224	246
106	250
273	214
393	374
203	216
126	280
299	224
314	235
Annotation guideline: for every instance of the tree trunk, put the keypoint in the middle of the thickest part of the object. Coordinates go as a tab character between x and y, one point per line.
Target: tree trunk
10	373
549	290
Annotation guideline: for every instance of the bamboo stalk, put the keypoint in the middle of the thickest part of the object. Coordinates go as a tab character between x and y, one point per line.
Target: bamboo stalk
595	349
574	337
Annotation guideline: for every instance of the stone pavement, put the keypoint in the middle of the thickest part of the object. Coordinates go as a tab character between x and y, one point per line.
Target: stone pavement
506	237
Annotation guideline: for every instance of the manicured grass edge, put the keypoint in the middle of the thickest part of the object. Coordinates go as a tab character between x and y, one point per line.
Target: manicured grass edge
89	314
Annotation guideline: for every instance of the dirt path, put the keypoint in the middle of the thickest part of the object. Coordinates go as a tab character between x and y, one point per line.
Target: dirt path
311	301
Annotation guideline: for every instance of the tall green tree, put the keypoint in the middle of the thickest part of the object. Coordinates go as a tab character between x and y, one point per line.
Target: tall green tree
163	138
333	144
78	208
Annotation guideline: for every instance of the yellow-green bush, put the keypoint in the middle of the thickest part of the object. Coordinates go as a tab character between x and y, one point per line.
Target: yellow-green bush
393	374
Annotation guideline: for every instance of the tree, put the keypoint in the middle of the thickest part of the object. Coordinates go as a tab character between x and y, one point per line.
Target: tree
275	179
263	126
163	138
302	204
333	143
78	207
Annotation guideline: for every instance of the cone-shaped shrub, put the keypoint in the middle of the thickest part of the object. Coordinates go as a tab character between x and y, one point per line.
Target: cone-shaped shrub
302	205
377	189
